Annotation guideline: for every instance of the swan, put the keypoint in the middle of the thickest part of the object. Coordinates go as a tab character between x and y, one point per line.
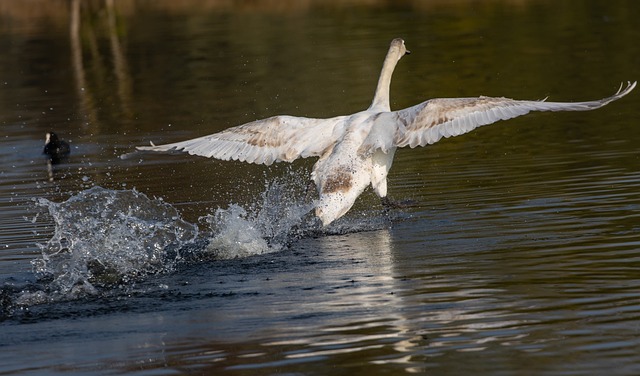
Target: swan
357	150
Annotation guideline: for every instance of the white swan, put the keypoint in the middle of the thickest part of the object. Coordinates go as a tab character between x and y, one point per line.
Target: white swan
357	150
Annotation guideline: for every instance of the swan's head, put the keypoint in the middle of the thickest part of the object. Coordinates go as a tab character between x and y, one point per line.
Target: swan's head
398	47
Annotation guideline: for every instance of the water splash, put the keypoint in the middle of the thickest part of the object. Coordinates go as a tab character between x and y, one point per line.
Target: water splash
269	226
104	236
236	234
112	238
282	215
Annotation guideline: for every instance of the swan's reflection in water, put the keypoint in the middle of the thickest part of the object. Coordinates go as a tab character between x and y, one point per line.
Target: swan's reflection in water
348	303
362	304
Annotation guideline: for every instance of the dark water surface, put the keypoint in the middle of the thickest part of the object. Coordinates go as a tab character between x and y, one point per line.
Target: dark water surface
522	255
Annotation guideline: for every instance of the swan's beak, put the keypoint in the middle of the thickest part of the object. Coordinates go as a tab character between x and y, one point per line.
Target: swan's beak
407	52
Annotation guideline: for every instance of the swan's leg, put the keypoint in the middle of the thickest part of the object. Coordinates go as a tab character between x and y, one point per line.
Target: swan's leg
381	164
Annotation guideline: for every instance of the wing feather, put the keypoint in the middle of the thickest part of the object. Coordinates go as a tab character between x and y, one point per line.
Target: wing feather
275	139
427	122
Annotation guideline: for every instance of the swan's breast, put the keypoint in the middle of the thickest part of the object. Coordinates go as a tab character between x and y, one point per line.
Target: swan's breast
339	179
339	185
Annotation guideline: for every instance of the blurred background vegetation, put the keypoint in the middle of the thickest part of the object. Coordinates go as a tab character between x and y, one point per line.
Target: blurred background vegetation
115	57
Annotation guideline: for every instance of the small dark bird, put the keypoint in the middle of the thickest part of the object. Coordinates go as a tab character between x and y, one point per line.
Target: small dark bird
55	148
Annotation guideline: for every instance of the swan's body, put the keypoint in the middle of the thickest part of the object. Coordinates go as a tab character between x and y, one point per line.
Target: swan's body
357	150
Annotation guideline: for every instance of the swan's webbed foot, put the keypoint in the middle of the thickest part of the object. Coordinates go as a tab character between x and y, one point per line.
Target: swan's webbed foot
389	204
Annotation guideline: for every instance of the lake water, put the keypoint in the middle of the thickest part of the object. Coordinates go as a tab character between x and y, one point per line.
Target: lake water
521	256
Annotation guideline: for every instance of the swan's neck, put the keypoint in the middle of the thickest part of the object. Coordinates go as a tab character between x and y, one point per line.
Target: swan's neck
381	97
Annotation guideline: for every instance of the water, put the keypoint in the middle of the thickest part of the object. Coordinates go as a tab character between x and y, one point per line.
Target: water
520	256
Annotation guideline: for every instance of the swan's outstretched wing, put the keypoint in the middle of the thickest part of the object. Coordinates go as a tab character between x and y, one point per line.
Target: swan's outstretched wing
275	139
427	122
